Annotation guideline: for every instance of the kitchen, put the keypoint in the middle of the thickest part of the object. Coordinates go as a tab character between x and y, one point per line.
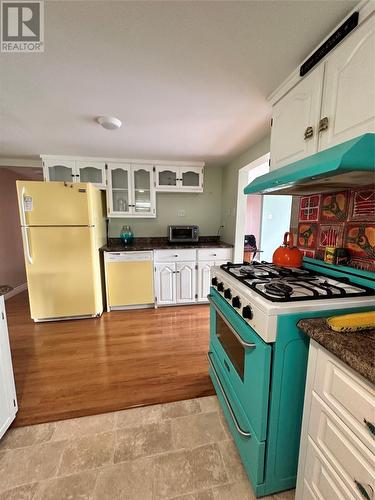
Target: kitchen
151	377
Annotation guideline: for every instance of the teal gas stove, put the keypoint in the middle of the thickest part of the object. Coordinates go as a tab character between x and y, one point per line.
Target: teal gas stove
258	356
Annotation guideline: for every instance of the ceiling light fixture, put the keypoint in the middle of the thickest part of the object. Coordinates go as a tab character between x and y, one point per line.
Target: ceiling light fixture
109	122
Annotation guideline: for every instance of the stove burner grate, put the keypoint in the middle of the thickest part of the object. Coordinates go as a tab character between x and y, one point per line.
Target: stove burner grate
280	284
279	289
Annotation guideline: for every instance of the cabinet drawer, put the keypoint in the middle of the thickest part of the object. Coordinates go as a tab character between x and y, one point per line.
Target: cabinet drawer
321	481
224	254
176	255
350	396
351	459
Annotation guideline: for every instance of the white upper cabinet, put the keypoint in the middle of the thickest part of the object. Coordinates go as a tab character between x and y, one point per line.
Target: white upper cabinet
69	170
8	398
119	201
349	88
334	103
59	170
295	120
143	190
91	171
130	190
187	179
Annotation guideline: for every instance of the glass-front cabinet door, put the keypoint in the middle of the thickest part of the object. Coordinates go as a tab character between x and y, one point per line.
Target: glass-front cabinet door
59	170
119	189
179	179
131	190
167	178
143	190
91	171
191	178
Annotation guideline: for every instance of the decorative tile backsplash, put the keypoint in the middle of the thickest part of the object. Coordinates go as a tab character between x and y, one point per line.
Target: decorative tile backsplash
342	219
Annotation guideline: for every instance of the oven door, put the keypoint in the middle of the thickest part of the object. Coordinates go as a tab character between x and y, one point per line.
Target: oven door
244	358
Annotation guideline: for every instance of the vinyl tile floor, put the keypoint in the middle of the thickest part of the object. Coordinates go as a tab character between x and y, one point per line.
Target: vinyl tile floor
179	450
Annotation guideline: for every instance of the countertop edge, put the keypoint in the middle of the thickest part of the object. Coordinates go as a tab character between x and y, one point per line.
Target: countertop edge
355	349
147	247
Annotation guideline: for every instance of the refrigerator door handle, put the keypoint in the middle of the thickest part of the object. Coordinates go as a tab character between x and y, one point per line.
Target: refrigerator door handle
22	202
27	244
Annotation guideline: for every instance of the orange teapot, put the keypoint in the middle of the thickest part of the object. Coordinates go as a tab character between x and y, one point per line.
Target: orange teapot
287	255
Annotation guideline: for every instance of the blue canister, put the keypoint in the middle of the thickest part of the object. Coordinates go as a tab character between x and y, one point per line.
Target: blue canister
126	235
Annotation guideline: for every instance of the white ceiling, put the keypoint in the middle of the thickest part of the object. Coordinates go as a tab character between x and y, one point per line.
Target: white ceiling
188	79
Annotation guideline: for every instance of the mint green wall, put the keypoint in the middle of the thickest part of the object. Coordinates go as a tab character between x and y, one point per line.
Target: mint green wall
203	209
230	186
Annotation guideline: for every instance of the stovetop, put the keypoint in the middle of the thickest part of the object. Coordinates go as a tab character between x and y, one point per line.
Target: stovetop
281	284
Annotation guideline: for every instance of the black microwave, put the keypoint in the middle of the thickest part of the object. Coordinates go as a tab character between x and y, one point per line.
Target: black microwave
183	234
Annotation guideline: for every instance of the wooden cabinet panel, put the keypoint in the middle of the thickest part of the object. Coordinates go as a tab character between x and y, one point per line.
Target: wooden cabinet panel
8	399
204	280
352	398
186	274
349	87
292	115
165	283
321	481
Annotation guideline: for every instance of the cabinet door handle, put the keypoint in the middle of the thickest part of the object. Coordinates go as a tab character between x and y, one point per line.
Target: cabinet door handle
370	426
176	255
309	132
323	124
363	491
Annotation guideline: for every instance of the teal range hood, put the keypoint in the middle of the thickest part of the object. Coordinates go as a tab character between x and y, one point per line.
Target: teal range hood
350	164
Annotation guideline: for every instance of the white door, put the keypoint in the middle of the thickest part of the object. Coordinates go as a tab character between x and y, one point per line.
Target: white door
8	400
204	280
295	121
167	178
143	190
165	283
59	170
186	274
119	193
349	88
191	179
91	171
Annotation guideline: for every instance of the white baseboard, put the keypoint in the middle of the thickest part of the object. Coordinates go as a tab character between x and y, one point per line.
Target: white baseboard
16	290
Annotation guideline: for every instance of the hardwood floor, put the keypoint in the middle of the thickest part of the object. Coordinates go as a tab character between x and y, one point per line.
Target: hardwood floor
125	358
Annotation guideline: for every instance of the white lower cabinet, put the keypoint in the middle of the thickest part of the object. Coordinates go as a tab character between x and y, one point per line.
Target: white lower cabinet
175	283
165	283
182	276
337	459
204	280
185	282
8	398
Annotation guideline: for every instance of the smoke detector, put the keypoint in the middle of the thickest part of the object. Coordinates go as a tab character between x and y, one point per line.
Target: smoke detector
109	122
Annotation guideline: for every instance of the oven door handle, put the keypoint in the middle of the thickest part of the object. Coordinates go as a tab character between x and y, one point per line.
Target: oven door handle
230	409
249	345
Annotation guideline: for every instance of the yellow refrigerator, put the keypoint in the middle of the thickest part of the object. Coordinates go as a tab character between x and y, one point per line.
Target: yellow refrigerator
63	227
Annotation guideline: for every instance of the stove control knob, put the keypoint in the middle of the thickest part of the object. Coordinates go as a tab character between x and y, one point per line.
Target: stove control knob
247	312
220	287
236	302
227	293
214	281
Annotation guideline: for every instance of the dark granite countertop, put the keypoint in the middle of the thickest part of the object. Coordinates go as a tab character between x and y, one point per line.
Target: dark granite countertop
140	244
5	289
356	349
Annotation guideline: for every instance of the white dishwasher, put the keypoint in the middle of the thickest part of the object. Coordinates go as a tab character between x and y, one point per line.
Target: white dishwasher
129	279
